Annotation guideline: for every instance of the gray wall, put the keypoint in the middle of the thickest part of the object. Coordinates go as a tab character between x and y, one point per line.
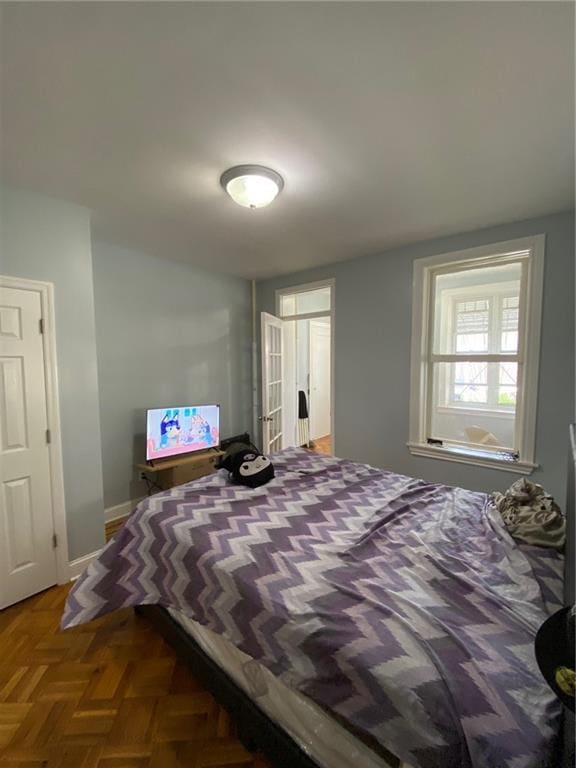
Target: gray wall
372	362
167	334
49	240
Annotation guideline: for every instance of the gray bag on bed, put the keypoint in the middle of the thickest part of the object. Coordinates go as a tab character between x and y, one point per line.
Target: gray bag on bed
531	515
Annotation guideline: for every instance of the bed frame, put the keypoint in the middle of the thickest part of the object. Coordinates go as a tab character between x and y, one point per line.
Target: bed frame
256	730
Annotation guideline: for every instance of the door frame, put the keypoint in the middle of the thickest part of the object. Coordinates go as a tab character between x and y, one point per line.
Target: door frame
329	282
46	292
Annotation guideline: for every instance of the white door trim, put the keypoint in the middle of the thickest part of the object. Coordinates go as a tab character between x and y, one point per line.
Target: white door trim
329	282
46	291
77	567
304	288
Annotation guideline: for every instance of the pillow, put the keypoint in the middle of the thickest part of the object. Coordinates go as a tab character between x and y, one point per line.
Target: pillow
248	467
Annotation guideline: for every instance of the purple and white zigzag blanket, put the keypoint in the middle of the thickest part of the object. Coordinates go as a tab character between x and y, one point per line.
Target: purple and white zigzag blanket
402	607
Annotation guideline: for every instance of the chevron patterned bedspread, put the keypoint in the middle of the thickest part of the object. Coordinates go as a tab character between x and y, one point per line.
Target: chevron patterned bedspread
402	607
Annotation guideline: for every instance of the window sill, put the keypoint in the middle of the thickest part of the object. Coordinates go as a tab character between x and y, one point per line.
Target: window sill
476	458
458	410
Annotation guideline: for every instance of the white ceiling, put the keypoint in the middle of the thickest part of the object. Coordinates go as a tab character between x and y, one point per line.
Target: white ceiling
390	122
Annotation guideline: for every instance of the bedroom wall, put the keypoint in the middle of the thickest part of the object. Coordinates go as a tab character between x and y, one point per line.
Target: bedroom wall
46	239
167	334
372	354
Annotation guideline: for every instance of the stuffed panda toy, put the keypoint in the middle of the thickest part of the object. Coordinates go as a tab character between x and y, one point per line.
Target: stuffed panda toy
248	467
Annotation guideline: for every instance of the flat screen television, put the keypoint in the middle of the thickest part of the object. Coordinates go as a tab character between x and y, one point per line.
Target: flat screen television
181	429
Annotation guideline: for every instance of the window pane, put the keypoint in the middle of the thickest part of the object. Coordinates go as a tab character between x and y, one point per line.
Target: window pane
509	324
288	305
509	341
471	342
318	300
471	320
474	404
507	380
469	382
476	310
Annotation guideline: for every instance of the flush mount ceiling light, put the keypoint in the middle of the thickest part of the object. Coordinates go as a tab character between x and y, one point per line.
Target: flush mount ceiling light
252	186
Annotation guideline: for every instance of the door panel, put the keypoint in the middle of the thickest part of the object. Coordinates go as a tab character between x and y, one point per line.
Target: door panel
320	370
27	557
19	523
272	384
290	392
13	406
10	323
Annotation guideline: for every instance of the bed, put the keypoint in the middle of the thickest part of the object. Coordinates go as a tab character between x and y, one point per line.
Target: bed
348	610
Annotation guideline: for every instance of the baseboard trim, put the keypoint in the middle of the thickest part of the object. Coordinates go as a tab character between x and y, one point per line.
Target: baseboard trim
120	510
76	567
112	514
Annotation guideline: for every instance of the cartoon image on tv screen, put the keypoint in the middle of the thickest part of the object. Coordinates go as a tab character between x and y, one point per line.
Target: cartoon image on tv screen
184	429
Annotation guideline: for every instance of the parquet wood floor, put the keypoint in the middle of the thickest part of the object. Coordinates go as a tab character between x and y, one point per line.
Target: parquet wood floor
109	694
112	526
323	445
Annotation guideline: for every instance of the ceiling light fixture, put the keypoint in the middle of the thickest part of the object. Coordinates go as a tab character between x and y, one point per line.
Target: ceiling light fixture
252	186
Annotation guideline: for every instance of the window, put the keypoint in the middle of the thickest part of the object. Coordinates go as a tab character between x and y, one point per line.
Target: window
306	302
475	351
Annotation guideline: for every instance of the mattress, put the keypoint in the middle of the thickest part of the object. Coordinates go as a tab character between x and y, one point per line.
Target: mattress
315	732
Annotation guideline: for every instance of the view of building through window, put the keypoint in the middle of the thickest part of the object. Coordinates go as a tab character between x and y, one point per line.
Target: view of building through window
486	325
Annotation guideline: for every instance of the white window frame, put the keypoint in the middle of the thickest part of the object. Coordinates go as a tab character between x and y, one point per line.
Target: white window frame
529	250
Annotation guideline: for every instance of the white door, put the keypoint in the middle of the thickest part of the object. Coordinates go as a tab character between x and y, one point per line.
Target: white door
27	555
290	387
320	407
272	395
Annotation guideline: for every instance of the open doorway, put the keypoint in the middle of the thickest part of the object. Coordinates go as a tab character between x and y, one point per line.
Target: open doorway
313	382
297	369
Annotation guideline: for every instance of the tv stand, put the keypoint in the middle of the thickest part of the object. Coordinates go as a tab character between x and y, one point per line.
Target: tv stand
181	469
